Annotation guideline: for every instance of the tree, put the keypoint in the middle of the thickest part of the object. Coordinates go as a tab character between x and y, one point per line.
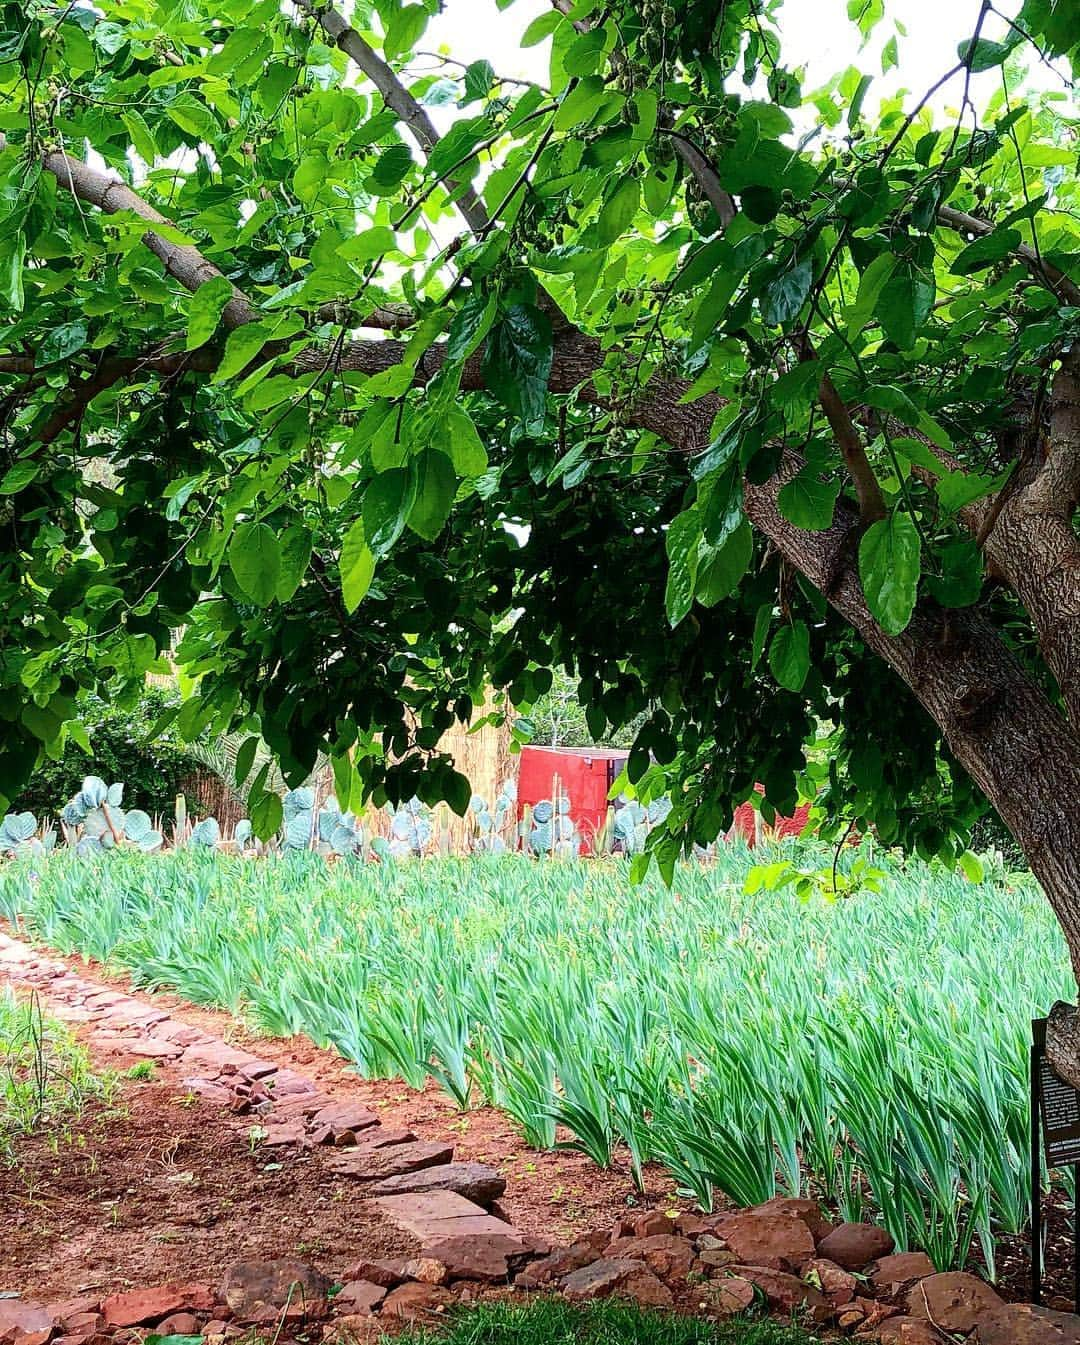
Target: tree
739	404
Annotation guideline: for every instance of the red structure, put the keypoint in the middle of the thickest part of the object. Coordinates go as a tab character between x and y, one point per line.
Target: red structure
746	815
584	776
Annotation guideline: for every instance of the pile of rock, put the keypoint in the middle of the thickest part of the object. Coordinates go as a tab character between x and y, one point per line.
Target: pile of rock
782	1255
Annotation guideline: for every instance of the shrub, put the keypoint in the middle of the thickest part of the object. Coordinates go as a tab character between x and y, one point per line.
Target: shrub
121	749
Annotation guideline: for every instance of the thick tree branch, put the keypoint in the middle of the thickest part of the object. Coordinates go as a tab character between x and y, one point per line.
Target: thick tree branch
973	227
182	261
399	100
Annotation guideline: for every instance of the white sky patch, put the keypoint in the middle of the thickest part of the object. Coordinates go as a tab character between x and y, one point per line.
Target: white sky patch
816	34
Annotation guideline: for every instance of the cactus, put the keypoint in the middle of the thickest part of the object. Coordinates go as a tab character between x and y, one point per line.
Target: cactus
410	829
19	838
298	808
94	820
206	833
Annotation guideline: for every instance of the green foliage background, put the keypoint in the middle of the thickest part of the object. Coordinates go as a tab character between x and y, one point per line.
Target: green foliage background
123	747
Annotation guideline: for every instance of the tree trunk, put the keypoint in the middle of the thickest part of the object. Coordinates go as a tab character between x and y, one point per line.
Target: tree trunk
1001	727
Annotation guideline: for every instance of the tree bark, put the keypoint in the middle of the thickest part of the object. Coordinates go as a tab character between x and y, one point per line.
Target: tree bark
1000	726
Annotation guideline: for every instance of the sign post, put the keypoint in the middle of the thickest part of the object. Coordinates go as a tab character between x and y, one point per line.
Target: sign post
1055	1120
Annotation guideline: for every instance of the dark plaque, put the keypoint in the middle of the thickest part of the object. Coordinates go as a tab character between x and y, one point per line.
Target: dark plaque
1056	1105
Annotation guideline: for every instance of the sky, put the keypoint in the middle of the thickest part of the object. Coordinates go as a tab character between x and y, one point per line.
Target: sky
816	33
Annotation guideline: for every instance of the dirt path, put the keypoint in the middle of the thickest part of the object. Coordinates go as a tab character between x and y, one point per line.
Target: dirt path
170	1182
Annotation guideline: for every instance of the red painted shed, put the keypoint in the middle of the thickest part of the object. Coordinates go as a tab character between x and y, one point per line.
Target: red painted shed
585	776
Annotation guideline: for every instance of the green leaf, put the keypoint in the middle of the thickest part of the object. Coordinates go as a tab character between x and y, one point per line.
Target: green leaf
241	348
719	572
205	310
245	759
266	815
479	79
387	502
517	363
19	477
961	579
470	324
12	255
986	251
255	561
391	167
436	486
972	867
984	54
788	292
357	567
368	244
683	544
542	26
618	211
905	303
809	502
789	655
404	30
62	342
890	555
295	556
467	450
762	622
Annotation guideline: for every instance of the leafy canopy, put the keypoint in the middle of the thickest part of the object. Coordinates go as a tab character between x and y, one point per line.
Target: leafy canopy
207	425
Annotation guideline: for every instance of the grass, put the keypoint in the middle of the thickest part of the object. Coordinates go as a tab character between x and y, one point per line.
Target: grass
45	1076
553	1322
870	1051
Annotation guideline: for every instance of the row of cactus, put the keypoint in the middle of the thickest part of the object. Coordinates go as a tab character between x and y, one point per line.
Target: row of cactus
95	820
328	830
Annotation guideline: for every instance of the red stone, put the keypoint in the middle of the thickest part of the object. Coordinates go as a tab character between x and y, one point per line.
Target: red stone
73	1307
600	1279
836	1284
854	1246
809	1211
953	1301
84	1324
260	1290
650	1224
891	1274
387	1273
352	1116
666	1255
289	1133
561	1262
179	1324
416	1302
732	1295
489	1257
474	1181
647	1290
442	1214
140	1306
353	1329
781	1241
359	1297
378	1164
1022	1324
907	1331
787	1292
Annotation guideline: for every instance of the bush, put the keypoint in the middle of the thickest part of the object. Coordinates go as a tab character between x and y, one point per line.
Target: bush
121	749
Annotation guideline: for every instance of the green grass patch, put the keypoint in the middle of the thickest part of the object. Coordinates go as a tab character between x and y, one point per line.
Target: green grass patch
45	1075
551	1321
